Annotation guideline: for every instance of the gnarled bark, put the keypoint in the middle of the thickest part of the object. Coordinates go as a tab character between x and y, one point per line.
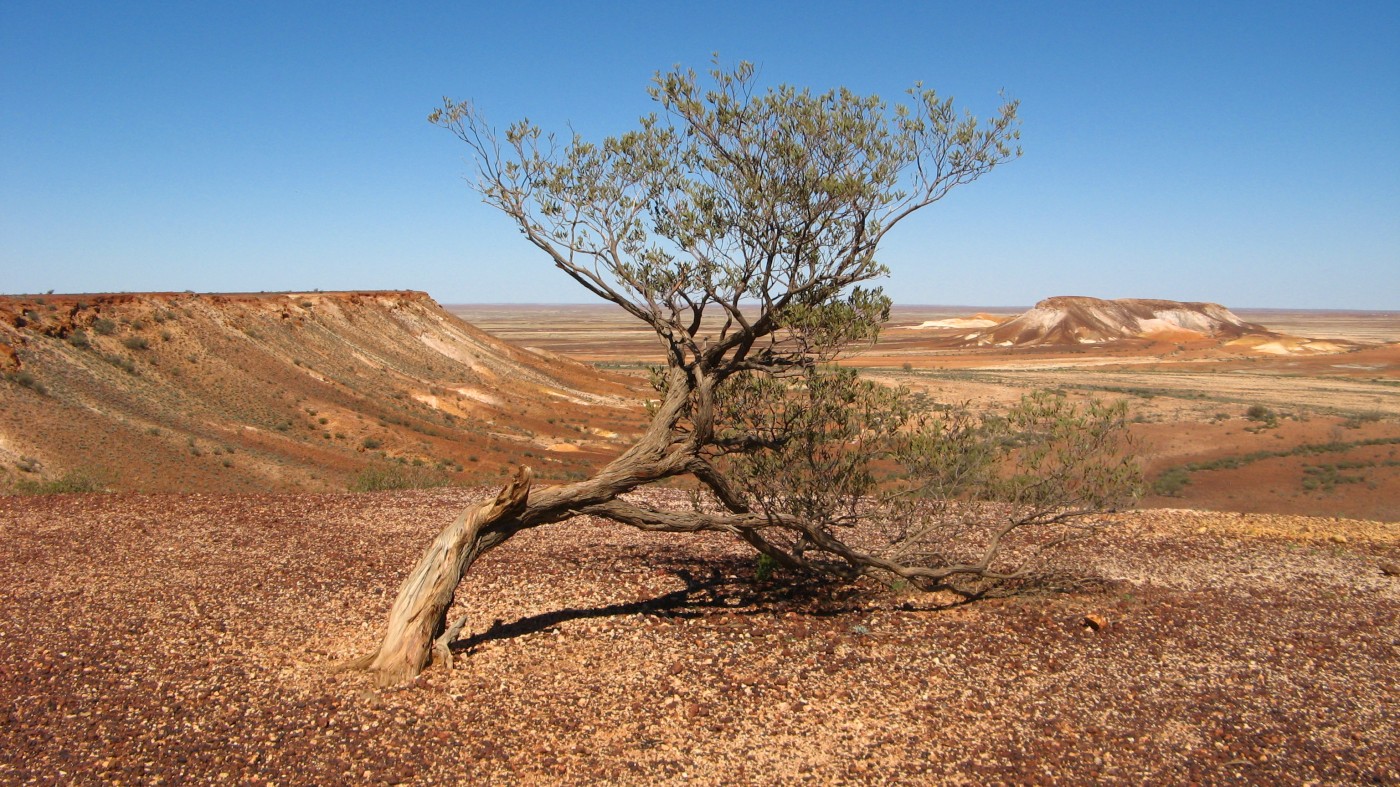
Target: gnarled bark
419	615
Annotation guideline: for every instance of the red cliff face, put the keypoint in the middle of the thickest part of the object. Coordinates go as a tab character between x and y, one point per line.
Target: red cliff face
180	392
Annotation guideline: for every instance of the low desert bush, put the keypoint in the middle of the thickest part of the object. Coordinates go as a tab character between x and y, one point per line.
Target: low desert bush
136	343
73	482
103	326
389	476
1170	483
26	380
125	364
1258	412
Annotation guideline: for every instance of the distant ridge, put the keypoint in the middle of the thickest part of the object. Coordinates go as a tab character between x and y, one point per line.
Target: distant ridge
1073	320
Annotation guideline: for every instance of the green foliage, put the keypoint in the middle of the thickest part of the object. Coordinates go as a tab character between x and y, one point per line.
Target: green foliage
806	446
1044	457
371	443
103	326
1171	482
125	364
386	476
1328	476
1262	415
764	567
777	198
832	449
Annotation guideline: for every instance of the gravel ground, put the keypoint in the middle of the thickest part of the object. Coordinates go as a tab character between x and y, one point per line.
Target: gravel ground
174	639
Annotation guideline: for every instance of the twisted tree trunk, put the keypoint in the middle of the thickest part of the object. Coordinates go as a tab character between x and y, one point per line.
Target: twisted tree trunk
418	620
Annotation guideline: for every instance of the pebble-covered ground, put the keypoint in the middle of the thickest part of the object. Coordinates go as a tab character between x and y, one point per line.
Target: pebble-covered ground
186	639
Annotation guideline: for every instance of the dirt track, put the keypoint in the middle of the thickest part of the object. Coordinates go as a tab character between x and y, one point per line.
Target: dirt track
176	639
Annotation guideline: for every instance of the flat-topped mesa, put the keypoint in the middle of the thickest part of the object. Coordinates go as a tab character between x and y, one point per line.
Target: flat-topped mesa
1075	319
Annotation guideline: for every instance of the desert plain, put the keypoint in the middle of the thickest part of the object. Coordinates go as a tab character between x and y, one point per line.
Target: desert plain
1242	623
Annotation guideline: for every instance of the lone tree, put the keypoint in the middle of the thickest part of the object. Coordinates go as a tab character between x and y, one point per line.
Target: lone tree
742	226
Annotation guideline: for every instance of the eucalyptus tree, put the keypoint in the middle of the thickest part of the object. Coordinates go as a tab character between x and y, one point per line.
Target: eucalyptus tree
742	226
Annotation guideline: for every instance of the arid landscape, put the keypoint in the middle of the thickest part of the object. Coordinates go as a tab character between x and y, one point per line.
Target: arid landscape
1323	437
185	563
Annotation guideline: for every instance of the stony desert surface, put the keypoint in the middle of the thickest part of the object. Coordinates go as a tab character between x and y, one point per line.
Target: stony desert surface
172	639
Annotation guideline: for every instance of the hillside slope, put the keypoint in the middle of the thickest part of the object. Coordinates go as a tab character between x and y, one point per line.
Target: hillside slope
186	392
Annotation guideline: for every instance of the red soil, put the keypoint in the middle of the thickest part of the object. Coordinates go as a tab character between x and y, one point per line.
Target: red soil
185	639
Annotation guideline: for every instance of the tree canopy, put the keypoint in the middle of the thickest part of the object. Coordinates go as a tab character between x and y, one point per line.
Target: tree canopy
731	196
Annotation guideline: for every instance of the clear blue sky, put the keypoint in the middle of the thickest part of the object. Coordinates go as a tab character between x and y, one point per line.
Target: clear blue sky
1245	153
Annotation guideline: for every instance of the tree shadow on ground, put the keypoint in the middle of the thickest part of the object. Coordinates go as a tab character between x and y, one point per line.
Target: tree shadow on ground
724	586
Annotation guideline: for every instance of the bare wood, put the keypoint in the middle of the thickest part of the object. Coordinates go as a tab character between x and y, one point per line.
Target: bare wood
442	646
419	614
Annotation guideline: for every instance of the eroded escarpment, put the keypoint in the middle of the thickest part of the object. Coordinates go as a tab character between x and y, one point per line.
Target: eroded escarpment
285	391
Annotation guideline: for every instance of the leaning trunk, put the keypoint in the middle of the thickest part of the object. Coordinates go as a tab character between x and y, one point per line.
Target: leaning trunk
418	619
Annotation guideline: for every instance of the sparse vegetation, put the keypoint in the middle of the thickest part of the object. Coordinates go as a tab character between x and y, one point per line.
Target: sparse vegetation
1173	479
136	343
103	326
1171	482
73	482
1327	477
371	443
386	476
125	364
1357	420
26	379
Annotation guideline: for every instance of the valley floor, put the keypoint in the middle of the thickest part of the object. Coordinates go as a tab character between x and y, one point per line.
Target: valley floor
186	639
